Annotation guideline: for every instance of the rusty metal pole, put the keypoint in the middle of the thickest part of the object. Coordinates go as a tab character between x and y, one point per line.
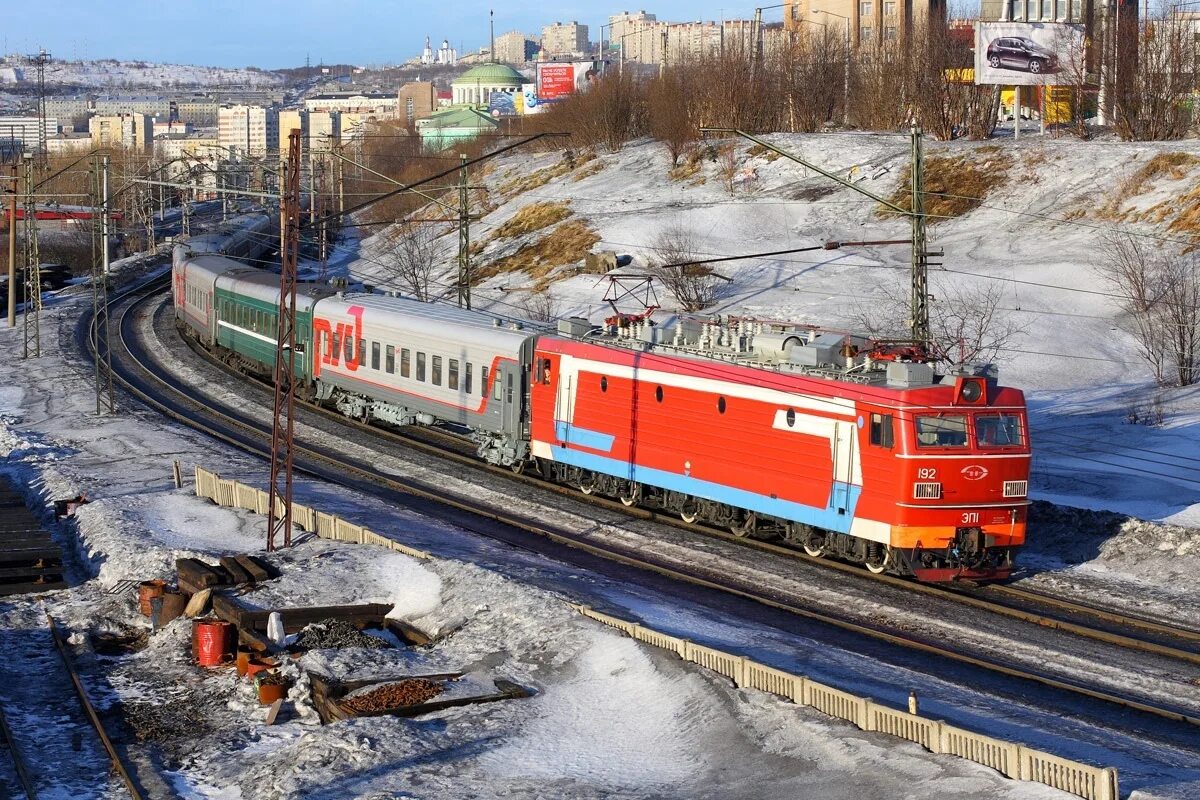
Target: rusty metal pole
279	515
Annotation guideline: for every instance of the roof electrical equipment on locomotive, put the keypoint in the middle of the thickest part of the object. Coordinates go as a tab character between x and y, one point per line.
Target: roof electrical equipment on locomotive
846	446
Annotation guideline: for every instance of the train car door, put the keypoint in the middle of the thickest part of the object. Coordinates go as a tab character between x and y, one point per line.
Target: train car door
544	397
510	390
843	464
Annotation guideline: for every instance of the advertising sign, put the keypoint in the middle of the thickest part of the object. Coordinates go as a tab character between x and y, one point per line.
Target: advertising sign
528	102
1027	53
501	104
556	80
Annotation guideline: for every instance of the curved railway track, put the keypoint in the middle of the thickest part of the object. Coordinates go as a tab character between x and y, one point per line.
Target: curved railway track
136	371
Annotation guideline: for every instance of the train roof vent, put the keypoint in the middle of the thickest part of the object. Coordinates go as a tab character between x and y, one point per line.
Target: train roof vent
574	327
904	375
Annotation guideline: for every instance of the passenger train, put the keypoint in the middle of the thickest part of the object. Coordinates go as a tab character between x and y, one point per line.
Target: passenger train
842	445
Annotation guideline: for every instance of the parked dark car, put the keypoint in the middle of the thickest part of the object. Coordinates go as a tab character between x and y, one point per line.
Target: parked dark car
1021	53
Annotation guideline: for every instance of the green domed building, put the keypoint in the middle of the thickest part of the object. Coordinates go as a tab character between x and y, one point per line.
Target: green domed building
475	86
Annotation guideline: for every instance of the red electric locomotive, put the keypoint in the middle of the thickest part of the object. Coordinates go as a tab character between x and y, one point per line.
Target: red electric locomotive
829	440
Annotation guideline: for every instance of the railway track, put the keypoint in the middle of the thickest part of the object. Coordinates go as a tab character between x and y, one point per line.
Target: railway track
137	372
44	718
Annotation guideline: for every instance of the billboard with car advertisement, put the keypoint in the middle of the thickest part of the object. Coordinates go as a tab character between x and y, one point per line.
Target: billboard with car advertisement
557	79
1028	53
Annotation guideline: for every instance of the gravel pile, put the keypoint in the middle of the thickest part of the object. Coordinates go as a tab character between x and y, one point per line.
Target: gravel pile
185	717
394	695
330	633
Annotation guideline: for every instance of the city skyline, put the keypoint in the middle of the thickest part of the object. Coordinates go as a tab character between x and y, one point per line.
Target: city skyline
360	32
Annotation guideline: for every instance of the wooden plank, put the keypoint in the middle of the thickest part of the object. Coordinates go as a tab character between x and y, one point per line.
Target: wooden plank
295	619
408	633
236	573
19	572
30	554
197	573
7	589
258	573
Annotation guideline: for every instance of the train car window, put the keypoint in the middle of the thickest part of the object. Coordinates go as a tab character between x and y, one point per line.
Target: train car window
483	387
998	430
467	368
658	393
497	387
334	343
720	405
349	349
436	379
882	434
389	359
374	355
603	383
543	371
508	384
420	366
404	359
452	374
361	360
949	430
791	417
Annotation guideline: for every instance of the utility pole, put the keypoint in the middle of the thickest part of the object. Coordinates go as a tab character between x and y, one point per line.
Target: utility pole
100	327
33	272
920	255
464	236
283	425
919	323
40	61
12	246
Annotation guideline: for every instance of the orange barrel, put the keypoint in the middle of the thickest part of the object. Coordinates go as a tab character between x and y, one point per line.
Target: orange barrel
212	642
147	591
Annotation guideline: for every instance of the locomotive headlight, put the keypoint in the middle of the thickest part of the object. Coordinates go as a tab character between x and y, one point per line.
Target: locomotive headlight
971	391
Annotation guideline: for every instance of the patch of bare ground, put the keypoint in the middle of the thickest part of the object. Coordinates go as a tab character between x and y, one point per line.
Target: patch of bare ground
568	243
955	185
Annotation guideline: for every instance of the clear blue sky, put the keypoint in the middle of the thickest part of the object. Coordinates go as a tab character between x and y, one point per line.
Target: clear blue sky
270	33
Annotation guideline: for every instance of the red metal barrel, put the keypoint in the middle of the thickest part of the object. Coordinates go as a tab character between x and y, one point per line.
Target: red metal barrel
212	642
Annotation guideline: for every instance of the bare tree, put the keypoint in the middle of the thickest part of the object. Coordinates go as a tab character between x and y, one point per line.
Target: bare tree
414	249
1132	267
967	324
1156	82
673	262
668	113
539	306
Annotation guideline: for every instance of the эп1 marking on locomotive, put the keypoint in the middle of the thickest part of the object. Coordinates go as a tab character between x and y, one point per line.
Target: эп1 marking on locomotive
832	441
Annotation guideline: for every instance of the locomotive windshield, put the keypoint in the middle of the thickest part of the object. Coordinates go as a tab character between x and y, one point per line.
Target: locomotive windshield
998	430
949	430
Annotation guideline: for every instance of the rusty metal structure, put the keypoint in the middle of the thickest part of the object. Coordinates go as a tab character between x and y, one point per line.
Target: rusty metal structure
279	516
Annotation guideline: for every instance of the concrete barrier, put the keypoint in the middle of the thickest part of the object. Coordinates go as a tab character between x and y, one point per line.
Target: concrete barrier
232	494
1009	759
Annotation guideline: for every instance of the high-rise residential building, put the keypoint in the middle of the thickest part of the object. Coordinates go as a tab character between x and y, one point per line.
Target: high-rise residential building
565	39
134	132
24	130
417	100
624	27
870	21
250	130
514	47
1039	10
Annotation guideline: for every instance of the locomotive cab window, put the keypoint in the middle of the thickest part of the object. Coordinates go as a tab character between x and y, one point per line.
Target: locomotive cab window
543	371
882	434
998	430
949	430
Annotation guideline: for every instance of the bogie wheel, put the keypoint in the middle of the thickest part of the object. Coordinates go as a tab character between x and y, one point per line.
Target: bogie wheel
878	559
630	495
744	528
518	467
815	546
587	486
689	513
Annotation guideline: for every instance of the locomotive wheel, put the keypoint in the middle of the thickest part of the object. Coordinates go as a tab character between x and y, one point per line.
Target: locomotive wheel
630	495
689	513
518	467
745	527
876	563
813	549
587	485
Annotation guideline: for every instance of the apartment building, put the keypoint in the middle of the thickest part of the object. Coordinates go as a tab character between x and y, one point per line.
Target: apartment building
250	130
564	39
133	132
513	47
870	21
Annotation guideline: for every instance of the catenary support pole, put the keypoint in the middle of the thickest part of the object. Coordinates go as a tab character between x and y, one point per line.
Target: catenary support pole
279	513
12	247
464	236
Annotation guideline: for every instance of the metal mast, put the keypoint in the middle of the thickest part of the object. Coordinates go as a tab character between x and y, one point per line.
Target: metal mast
100	328
40	61
33	272
464	236
920	255
283	425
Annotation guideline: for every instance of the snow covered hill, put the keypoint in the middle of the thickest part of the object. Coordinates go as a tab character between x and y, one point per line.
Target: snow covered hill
1033	238
114	74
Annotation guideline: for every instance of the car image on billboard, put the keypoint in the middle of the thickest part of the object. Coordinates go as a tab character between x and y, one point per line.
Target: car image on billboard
1027	53
1018	52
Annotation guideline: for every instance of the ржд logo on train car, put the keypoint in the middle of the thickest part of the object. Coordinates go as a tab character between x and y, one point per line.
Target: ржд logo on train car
337	339
974	472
